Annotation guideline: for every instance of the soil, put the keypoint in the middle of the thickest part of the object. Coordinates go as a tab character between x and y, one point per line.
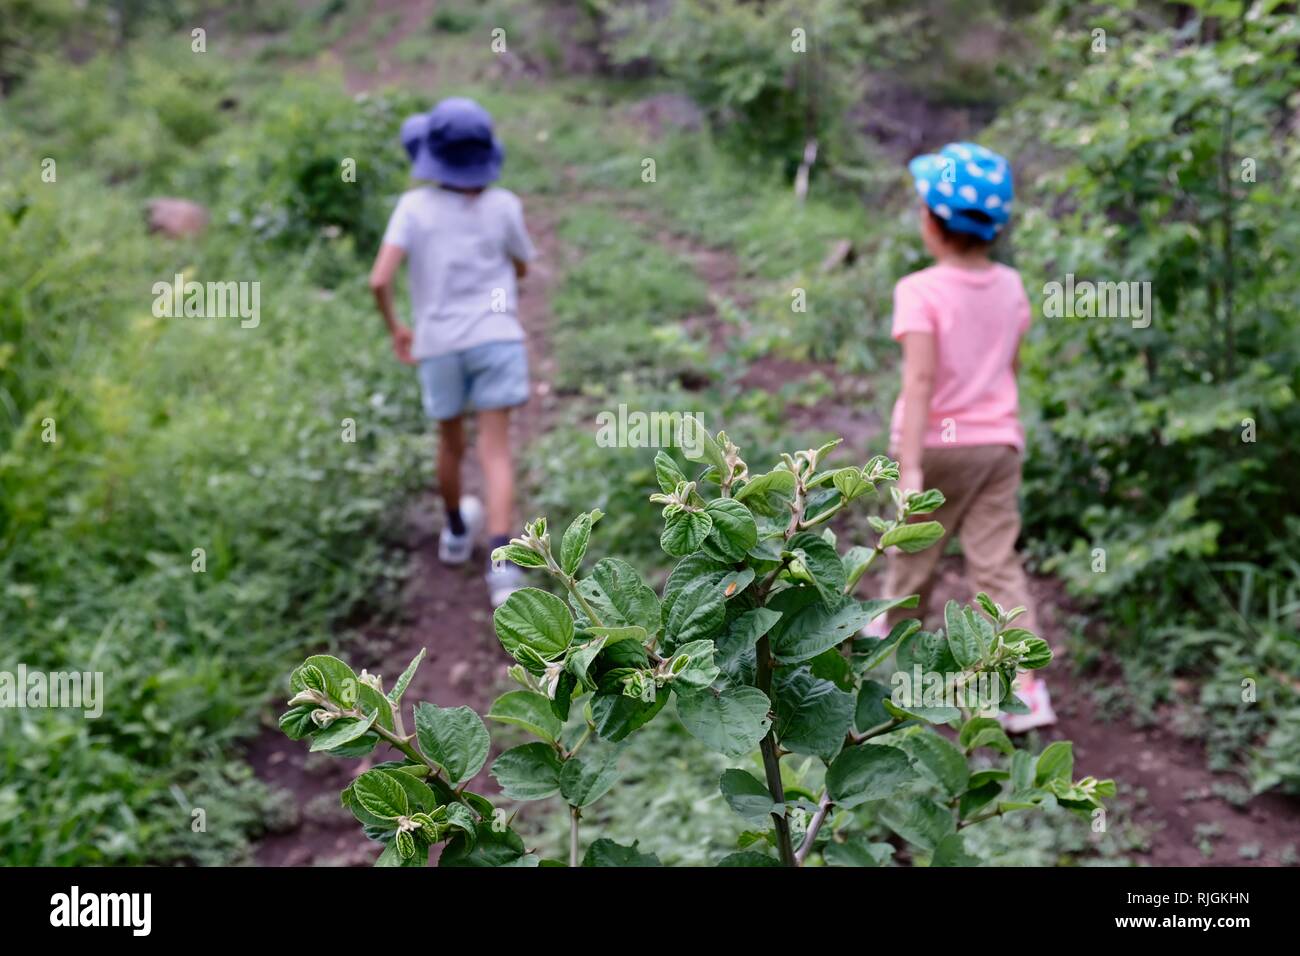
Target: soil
1165	784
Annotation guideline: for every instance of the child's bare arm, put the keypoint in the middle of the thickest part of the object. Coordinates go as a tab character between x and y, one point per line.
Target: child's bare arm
918	384
382	275
521	268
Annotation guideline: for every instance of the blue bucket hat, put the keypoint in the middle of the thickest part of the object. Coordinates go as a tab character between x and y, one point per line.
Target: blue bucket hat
963	178
453	144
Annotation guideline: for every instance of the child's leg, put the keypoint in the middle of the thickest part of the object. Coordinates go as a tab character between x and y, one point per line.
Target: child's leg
988	537
451	451
498	470
499	382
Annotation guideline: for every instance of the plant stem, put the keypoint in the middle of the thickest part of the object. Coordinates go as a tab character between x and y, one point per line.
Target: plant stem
980	819
875	731
574	814
823	808
772	761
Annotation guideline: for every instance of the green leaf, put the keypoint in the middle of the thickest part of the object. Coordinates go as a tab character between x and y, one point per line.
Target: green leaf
605	852
978	796
581	658
380	795
487	848
574	545
528	772
734	583
698	613
460	817
698	445
340	681
868	772
913	537
1056	762
392	857
747	628
988	604
341	731
612	635
856	561
296	722
939	759
585	779
870	709
857	851
619	597
748	797
748	858
929	651
518	554
812	715
1022	770
699	671
963	641
528	710
372	701
918	820
732	721
931	715
534	619
684	531
667	473
454	738
808	631
985	732
822	563
872	657
1034	651
951	851
403	682
850	483
924	502
768	495
616	716
733	533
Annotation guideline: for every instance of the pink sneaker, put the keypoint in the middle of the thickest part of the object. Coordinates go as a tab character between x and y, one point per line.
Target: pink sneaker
1034	693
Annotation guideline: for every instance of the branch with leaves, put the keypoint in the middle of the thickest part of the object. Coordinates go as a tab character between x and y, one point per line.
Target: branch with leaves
756	639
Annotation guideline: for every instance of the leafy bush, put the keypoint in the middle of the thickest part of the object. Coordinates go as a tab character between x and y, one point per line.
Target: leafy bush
770	75
170	435
754	638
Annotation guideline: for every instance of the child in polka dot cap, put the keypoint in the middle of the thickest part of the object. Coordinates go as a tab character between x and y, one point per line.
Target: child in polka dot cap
956	424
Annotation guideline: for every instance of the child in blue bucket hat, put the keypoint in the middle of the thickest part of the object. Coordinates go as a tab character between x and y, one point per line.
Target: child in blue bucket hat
466	247
956	424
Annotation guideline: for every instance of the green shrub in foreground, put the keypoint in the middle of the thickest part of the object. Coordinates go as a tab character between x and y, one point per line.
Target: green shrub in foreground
755	635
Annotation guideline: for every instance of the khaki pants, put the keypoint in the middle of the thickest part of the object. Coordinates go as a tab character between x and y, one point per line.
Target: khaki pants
980	483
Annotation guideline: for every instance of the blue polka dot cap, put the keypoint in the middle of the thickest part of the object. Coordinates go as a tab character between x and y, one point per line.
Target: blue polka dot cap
966	178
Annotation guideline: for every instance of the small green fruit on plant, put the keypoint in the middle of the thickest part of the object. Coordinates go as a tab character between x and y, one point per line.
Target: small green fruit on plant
755	637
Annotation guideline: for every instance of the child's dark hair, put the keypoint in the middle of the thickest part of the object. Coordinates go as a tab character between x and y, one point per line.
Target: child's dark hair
963	241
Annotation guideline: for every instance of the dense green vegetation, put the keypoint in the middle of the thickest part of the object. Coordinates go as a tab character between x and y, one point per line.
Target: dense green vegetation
176	434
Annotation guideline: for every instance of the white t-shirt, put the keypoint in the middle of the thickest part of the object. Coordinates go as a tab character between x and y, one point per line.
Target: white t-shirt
460	250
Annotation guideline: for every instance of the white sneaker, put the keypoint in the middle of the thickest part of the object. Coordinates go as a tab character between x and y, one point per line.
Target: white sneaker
1034	694
504	578
457	548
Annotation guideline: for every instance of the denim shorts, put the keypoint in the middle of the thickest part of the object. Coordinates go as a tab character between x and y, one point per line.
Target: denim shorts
487	376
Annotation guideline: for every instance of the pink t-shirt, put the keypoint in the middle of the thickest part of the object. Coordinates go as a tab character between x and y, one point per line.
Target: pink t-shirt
977	317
